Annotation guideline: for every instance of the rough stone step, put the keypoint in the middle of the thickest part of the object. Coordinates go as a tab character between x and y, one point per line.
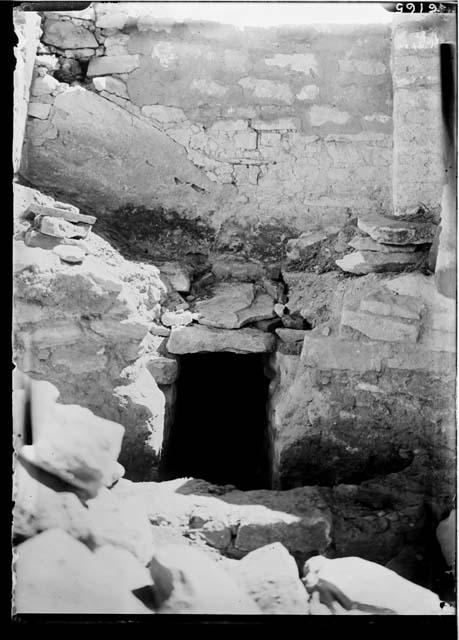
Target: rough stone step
69	213
390	231
197	339
362	262
365	243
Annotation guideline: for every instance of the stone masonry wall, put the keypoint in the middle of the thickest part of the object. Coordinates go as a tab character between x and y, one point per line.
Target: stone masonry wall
418	168
290	127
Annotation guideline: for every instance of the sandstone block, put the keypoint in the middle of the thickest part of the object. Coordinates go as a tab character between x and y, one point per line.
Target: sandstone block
304	246
72	443
389	231
260	309
68	35
385	303
177	275
111	85
70	254
198	339
368	587
122	523
65	211
35	239
106	65
221	310
365	243
227	268
60	228
39	110
335	353
270	576
38	507
190	582
44	85
164	370
177	318
378	327
57	574
362	262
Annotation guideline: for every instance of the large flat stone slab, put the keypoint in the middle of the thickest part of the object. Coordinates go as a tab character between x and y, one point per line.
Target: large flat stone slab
200	339
365	243
234	305
401	232
363	262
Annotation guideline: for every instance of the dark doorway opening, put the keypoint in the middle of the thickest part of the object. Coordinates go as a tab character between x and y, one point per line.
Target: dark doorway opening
219	433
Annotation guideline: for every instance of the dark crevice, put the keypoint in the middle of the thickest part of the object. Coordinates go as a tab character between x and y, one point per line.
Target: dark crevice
219	432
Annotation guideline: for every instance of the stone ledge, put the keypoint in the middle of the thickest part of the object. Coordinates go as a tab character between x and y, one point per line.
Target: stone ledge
200	339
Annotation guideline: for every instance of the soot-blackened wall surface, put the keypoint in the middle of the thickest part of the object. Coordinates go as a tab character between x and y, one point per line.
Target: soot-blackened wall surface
219	433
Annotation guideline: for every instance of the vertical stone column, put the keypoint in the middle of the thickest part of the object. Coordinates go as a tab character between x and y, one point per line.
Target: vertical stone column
418	164
28	32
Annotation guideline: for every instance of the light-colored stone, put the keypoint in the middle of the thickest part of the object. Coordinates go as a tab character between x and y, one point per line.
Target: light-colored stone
57	574
44	85
111	85
164	370
68	35
196	584
380	327
334	353
303	247
39	110
365	243
127	569
389	231
38	507
322	114
69	253
447	536
230	268
362	262
177	318
260	309
61	210
60	228
221	310
177	275
198	339
106	65
384	303
368	587
120	522
270	577
71	442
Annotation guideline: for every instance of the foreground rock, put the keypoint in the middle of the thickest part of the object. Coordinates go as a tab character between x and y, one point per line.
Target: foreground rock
57	574
236	522
353	585
198	339
104	520
191	583
270	577
71	442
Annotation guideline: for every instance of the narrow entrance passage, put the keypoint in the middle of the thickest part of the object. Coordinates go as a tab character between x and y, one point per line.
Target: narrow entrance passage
219	431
